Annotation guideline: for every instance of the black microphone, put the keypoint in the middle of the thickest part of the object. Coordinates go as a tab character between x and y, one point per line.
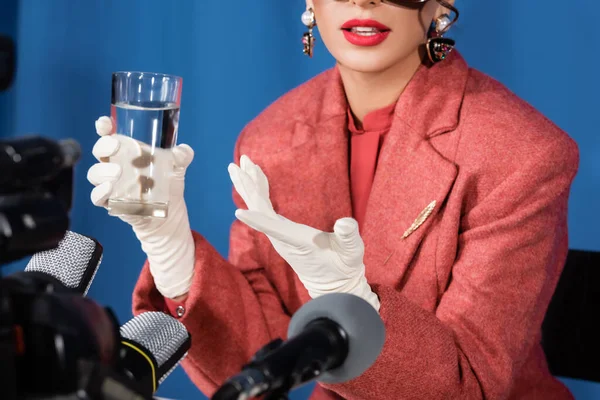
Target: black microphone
70	267
31	160
36	190
152	345
333	338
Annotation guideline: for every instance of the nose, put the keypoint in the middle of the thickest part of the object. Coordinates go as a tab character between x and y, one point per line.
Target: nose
366	3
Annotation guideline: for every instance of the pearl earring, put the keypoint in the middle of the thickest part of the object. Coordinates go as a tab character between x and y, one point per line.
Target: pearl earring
442	23
439	47
308	39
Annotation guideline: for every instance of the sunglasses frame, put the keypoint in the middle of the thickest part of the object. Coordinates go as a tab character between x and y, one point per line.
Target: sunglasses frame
419	3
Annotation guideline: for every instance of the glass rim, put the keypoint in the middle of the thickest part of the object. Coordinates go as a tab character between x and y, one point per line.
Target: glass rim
150	74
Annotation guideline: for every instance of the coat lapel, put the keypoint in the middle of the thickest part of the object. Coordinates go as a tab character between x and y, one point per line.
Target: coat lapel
412	179
317	192
410	186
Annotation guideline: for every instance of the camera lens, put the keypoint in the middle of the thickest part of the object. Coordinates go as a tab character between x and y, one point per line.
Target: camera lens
60	330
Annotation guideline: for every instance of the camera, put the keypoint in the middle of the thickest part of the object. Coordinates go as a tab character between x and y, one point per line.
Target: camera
54	342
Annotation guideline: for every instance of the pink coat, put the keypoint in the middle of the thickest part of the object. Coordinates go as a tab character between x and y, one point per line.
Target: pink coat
462	297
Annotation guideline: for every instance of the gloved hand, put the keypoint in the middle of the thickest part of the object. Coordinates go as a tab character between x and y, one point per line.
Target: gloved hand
167	242
325	262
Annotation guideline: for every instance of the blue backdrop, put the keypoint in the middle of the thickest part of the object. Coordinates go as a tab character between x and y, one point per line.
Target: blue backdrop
238	56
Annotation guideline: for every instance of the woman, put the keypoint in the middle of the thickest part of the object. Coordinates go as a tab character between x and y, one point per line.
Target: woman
464	230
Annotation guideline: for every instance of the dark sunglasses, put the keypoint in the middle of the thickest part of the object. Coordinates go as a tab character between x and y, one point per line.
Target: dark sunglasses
421	3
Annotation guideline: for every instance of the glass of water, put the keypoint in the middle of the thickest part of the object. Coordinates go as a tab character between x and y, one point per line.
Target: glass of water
145	114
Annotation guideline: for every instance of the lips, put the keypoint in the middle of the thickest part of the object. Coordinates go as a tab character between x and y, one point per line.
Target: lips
365	23
365	32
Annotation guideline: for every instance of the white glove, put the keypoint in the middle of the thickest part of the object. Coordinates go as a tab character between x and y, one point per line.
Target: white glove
324	262
167	242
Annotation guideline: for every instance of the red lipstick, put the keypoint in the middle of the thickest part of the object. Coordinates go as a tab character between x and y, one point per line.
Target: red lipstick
365	32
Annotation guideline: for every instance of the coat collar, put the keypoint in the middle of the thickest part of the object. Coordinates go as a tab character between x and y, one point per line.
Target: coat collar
430	103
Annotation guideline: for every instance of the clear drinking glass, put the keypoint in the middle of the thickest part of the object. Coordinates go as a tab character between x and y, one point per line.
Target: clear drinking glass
145	114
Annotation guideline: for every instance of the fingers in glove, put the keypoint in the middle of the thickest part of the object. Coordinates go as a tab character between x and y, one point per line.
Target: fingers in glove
345	227
105	147
244	185
101	193
247	166
249	186
278	227
346	234
257	175
245	162
250	170
262	181
248	190
234	175
104	126
103	172
183	156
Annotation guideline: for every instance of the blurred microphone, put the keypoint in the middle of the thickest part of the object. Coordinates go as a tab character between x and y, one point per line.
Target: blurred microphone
152	345
70	267
333	338
30	160
36	194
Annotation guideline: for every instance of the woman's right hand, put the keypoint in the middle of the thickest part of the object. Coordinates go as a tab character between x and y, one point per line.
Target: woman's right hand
167	242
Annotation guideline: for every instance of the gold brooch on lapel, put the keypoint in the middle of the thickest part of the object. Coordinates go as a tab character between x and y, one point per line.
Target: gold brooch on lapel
420	219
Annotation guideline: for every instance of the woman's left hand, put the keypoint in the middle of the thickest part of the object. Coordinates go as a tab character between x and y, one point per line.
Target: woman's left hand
325	262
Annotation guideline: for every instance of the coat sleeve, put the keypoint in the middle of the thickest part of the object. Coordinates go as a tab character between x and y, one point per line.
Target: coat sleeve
232	309
511	252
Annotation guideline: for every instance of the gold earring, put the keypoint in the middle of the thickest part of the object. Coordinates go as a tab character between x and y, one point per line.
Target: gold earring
308	39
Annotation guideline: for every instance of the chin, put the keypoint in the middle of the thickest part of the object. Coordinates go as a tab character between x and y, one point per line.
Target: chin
371	59
366	63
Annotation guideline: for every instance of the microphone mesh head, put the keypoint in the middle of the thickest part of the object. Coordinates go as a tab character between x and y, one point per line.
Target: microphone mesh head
74	262
162	335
